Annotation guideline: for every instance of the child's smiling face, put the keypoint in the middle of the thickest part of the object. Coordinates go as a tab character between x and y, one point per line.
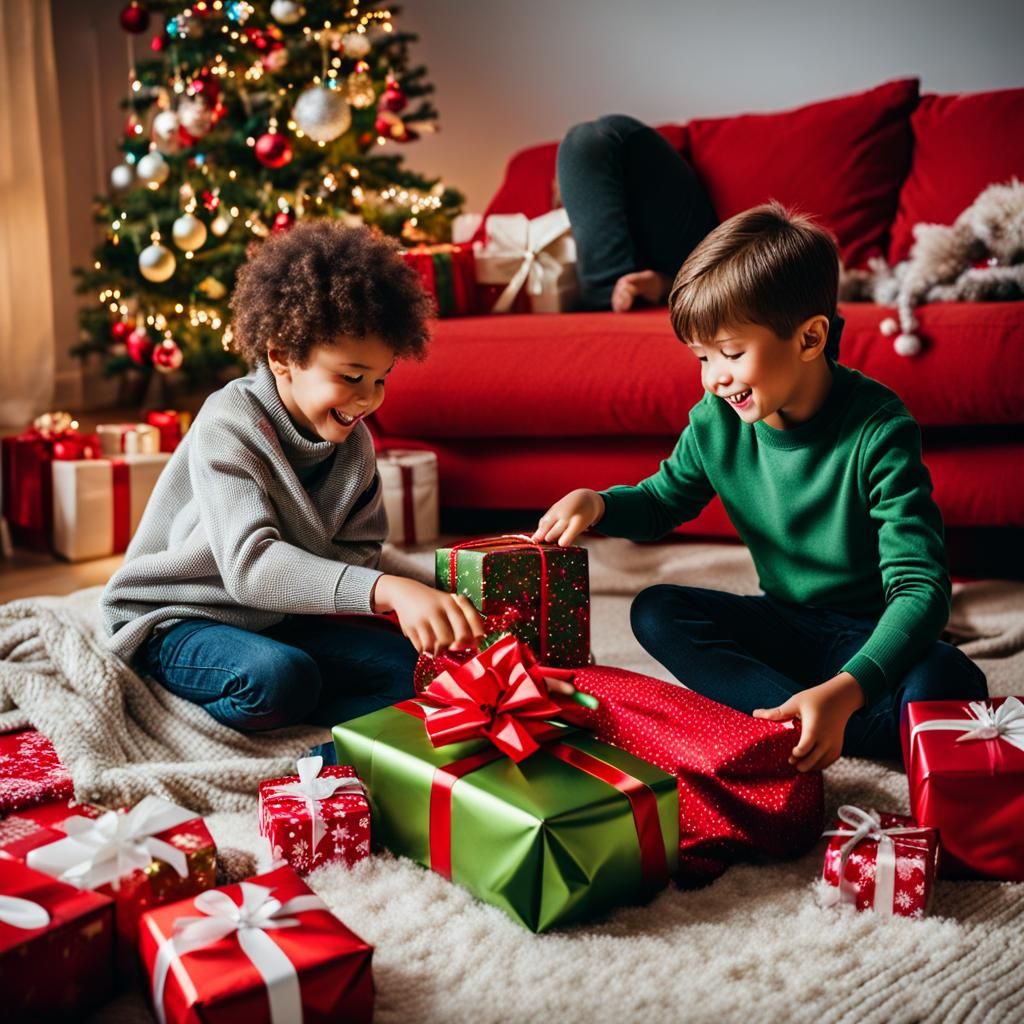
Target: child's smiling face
340	384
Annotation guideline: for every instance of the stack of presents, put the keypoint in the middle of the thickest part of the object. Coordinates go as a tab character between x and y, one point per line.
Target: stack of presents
556	809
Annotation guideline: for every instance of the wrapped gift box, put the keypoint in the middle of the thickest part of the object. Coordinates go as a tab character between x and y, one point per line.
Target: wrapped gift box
527	265
739	797
98	503
571	830
448	273
543	590
172	425
55	950
965	769
128	439
319	971
880	862
410	483
316	817
30	771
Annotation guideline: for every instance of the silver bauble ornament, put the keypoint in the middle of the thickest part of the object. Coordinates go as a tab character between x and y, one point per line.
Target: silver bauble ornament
356	45
221	224
121	176
287	12
152	169
156	263
188	232
322	114
195	116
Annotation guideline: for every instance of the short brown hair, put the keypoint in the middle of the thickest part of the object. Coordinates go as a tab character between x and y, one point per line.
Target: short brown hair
766	266
320	280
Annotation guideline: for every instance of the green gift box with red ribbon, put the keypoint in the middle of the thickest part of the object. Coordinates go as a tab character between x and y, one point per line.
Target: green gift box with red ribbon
484	779
542	591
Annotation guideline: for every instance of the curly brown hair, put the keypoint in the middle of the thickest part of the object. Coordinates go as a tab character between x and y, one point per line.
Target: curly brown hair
321	280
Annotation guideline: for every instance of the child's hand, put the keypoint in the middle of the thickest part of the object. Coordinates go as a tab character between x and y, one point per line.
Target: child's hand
569	517
432	620
823	711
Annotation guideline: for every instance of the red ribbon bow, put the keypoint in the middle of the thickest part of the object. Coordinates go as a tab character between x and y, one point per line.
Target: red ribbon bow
501	695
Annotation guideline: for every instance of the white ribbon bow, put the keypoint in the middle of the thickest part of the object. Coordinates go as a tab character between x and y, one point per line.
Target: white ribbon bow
518	239
250	920
23	913
868	825
112	846
1005	722
313	789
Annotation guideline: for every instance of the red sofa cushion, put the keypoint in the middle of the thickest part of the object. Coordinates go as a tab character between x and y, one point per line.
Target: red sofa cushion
598	374
961	145
841	160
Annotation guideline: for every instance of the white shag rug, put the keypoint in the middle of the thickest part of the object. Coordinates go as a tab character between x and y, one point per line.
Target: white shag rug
752	947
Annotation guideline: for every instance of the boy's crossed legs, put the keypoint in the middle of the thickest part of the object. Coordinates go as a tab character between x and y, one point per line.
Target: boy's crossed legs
305	669
756	652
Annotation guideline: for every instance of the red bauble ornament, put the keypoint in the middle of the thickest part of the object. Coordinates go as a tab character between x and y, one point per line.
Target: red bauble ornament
135	18
167	356
284	220
273	150
205	85
392	100
392	127
139	345
120	329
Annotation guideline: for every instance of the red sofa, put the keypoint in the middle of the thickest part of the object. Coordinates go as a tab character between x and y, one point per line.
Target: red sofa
519	408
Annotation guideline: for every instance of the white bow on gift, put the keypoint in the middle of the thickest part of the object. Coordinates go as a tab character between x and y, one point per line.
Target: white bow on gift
106	849
868	825
1005	722
524	242
259	911
313	789
23	913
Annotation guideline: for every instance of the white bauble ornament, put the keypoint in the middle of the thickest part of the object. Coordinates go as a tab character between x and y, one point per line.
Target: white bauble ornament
221	224
152	169
122	176
188	232
356	45
889	326
287	12
156	263
322	114
195	116
907	344
165	125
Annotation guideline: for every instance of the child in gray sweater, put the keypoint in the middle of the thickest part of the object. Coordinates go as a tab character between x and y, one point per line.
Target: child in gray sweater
269	514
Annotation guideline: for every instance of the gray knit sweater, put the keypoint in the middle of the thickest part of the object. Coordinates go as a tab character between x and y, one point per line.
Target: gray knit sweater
231	533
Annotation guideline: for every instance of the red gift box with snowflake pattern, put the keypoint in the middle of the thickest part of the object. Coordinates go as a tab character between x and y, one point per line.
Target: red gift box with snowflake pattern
317	817
30	771
881	862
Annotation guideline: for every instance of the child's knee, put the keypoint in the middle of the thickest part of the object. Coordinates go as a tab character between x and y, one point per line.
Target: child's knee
945	673
276	688
650	612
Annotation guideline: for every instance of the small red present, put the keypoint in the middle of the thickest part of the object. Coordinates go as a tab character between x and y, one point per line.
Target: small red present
881	862
739	797
965	769
172	425
320	815
56	945
266	949
35	826
30	771
448	273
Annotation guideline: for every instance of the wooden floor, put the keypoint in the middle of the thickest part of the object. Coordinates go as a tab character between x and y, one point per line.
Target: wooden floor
30	575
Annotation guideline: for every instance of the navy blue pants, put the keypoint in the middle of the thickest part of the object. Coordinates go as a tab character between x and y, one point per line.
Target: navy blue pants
634	203
305	669
756	652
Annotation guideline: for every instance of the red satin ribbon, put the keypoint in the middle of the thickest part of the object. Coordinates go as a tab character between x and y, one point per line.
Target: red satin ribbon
408	512
121	480
509	542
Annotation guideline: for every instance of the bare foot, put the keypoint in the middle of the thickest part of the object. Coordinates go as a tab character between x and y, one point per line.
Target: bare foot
647	285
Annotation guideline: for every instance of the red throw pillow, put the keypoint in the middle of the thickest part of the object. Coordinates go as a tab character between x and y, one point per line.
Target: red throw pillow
961	145
842	161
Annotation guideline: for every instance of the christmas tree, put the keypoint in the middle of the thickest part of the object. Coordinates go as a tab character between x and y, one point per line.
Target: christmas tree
248	115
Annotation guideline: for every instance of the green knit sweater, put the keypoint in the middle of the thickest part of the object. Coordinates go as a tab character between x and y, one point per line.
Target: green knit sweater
837	513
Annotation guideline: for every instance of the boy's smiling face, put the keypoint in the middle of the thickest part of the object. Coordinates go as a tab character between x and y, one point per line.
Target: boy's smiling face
762	376
340	385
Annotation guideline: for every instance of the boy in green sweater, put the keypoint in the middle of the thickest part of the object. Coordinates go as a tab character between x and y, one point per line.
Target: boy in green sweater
820	471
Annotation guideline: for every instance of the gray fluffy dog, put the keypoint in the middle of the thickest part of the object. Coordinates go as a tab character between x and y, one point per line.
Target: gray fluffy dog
977	258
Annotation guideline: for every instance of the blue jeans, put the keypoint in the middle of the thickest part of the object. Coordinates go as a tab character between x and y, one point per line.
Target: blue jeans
756	652
305	669
634	203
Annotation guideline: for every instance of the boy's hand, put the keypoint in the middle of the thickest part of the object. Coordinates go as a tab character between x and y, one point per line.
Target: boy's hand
432	620
569	517
823	711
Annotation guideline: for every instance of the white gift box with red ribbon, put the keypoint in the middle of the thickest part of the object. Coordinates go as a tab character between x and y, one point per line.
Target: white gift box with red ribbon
98	503
128	439
410	482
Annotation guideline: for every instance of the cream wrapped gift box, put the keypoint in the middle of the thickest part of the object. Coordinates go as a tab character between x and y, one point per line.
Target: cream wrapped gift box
97	503
536	256
128	439
409	479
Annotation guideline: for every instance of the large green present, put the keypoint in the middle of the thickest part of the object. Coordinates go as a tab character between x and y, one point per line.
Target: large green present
564	835
541	590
